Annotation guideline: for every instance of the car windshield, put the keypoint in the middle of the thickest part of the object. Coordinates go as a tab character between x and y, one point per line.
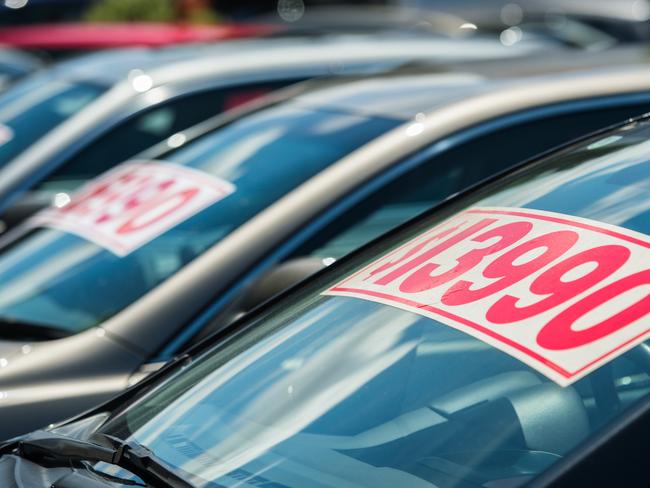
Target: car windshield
60	279
35	106
342	384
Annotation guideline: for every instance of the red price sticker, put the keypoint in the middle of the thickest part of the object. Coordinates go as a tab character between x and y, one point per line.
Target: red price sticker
134	203
562	294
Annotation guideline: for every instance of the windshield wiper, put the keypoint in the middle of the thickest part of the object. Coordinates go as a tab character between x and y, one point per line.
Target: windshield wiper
18	330
57	449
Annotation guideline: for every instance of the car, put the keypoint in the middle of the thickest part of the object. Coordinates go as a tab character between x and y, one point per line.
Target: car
61	40
111	282
580	25
500	339
83	116
593	25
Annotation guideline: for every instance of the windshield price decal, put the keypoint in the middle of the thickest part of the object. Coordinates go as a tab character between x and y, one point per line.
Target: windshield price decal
562	294
134	203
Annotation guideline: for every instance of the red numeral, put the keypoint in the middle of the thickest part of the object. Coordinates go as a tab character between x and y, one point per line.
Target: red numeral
422	280
608	259
555	244
413	251
558	334
425	256
158	208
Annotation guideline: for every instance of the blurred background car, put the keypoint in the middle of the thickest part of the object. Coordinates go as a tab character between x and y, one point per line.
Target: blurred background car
312	177
622	20
64	28
569	31
336	384
82	117
57	41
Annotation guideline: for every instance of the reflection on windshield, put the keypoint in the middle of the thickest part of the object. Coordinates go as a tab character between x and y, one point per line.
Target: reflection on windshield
38	104
359	394
61	280
22	280
337	391
282	409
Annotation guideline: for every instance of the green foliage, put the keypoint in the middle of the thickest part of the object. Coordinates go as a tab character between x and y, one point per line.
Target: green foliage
151	11
132	11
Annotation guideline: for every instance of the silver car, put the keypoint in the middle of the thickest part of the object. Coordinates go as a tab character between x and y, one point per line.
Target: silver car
80	118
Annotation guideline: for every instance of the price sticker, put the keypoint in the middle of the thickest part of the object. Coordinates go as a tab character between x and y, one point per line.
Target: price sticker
135	203
562	294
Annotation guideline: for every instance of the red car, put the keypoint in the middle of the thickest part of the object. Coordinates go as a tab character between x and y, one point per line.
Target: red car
58	39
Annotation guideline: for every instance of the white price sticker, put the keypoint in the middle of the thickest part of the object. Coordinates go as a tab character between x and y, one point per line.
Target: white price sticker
135	203
564	295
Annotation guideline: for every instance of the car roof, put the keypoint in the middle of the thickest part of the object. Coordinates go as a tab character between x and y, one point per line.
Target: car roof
185	63
423	88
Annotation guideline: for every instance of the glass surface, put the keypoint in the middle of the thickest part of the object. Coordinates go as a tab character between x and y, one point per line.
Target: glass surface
336	391
148	128
35	106
60	280
452	171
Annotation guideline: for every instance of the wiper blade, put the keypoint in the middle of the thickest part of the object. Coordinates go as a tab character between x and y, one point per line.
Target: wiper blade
19	330
61	450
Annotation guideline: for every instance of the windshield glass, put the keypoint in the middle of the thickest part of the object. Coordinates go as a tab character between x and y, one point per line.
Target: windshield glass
63	280
36	105
335	388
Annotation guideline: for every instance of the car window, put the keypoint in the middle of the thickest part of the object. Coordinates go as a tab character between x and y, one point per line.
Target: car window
34	106
337	385
146	129
452	171
57	278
